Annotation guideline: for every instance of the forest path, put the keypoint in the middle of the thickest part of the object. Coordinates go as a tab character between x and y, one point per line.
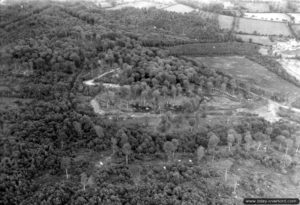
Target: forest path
95	105
92	83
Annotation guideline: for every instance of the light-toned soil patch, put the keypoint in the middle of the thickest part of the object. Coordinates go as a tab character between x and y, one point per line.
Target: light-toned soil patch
139	4
264	50
179	8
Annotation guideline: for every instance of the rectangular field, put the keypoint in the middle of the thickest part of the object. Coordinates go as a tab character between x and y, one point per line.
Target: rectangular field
179	8
139	4
252	26
256	6
213	49
251	72
281	17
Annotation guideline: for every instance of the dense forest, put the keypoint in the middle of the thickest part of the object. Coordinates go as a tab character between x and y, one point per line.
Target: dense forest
51	139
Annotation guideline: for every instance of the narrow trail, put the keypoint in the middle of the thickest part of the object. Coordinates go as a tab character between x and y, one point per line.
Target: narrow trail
92	83
269	111
95	105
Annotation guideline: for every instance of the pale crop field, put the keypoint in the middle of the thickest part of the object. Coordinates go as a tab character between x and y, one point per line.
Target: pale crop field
139	4
250	26
179	8
256	7
269	16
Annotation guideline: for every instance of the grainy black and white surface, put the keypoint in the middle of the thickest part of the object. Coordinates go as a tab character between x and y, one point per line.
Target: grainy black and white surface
123	102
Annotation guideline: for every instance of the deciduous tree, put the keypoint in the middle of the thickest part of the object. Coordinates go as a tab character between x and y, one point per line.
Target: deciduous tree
200	153
126	149
84	180
169	149
230	138
66	164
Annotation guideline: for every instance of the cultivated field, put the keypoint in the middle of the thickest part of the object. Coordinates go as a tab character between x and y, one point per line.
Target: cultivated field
281	17
213	49
251	72
251	26
179	8
254	26
139	4
167	6
263	40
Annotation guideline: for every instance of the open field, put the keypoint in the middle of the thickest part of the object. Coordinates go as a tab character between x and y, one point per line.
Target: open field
251	72
225	22
296	17
167	6
210	49
179	8
263	40
254	26
281	17
256	7
251	26
139	4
